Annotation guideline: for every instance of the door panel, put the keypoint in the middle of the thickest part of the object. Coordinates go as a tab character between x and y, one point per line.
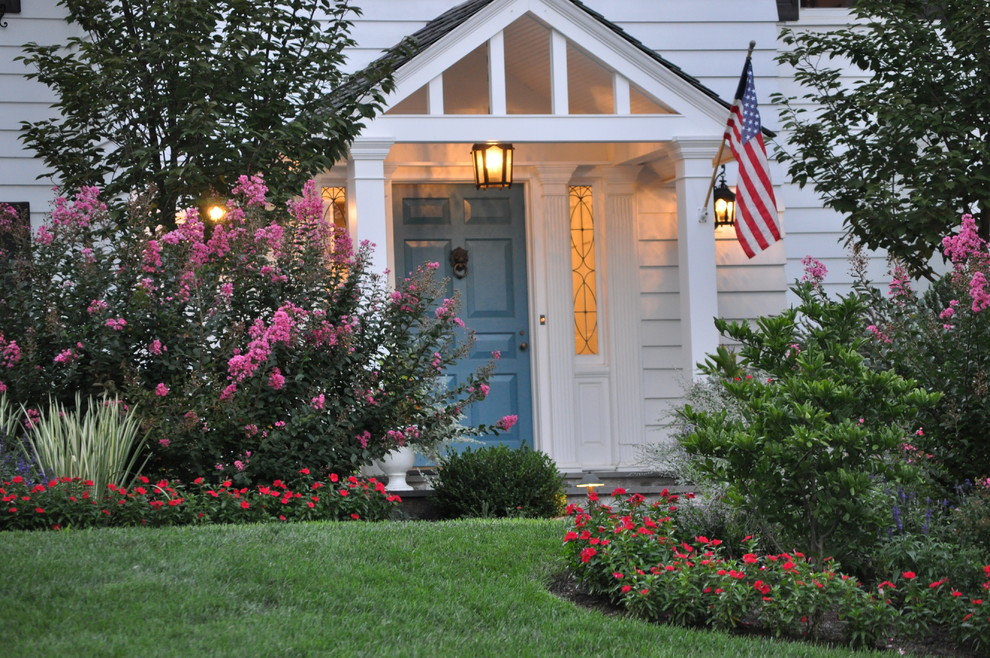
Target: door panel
432	220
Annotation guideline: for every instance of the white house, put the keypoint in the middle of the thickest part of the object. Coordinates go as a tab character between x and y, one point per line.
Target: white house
594	275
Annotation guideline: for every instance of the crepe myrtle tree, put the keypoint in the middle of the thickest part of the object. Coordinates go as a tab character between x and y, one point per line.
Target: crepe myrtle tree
892	127
186	95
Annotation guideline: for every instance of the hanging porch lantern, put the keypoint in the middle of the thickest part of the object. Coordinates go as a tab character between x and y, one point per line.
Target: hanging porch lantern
492	165
725	203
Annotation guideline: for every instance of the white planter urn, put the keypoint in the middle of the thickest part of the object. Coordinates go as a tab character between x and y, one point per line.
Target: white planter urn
395	464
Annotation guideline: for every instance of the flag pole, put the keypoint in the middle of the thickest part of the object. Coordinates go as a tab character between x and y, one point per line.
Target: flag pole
718	156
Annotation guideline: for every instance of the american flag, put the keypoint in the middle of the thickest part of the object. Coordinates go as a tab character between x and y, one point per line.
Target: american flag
756	208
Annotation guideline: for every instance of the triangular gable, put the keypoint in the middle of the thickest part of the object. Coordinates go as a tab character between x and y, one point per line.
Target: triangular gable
645	83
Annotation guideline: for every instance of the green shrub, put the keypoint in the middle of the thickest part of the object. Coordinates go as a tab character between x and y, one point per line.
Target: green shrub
498	481
821	432
99	441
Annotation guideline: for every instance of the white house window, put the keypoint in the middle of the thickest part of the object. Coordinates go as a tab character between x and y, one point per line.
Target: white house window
335	205
583	270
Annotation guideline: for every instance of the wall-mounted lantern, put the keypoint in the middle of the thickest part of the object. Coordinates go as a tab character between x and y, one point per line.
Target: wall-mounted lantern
492	165
725	203
8	7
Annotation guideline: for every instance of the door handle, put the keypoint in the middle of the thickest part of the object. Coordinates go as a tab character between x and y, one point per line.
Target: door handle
523	346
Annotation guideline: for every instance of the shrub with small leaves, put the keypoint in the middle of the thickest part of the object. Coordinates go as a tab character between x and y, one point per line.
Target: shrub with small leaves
499	481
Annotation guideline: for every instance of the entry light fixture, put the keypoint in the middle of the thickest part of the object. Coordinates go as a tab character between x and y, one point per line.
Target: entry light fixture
590	482
216	212
492	165
725	203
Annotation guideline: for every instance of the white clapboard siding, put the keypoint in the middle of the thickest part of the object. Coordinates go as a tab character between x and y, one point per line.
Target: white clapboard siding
22	99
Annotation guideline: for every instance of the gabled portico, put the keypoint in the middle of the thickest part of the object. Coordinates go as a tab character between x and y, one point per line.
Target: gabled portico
614	145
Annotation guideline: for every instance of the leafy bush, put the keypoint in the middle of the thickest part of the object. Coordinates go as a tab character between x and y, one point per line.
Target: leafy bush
498	481
13	460
971	517
820	431
254	347
67	502
636	552
939	338
99	441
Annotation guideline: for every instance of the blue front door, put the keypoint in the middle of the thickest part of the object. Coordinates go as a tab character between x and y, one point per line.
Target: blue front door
431	221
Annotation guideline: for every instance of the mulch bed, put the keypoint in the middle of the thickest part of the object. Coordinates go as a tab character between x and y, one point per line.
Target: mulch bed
565	587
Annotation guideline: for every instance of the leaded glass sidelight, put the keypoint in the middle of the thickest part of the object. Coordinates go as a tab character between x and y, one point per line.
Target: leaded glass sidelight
335	202
583	270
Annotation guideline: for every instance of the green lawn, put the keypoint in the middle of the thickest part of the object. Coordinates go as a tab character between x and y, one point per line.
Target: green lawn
468	588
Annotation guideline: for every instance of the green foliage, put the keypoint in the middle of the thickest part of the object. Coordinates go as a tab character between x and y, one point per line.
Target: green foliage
637	552
185	96
72	502
255	347
939	338
820	430
894	151
971	517
498	481
100	441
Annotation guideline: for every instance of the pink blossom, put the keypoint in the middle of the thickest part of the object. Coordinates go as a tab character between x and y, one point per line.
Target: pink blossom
318	402
152	257
227	290
363	438
117	324
433	265
250	429
10	352
66	356
161	390
239	465
253	189
484	390
879	335
900	283
228	392
3	387
96	306
978	291
156	347
966	243
164	443
44	237
507	422
814	271
276	380
279	424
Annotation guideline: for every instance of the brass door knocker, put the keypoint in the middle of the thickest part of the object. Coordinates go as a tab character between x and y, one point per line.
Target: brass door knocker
459	261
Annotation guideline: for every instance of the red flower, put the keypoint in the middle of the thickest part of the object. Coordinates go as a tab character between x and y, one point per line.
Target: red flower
334	477
39	510
909	575
304	471
343	492
12	510
311	505
587	554
618	491
245	504
644	592
956	592
626	588
616	574
356	517
749	558
17	479
198	481
570	536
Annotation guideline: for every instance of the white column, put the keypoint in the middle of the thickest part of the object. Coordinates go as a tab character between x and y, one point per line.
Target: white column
557	336
695	250
366	197
625	343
